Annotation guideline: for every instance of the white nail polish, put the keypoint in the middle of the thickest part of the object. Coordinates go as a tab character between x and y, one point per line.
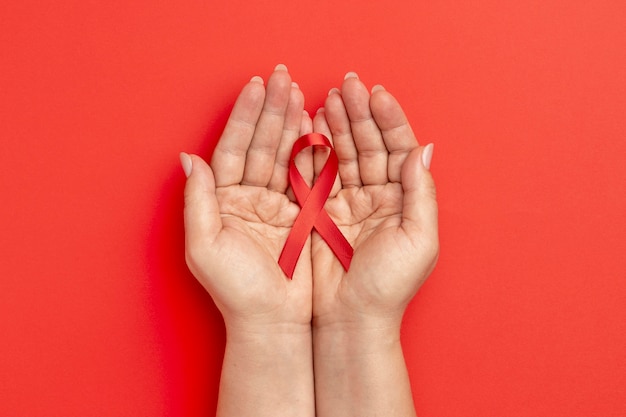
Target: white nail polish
280	67
427	155
185	161
351	74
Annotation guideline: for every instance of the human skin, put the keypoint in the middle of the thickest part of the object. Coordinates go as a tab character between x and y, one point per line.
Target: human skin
384	203
237	217
344	326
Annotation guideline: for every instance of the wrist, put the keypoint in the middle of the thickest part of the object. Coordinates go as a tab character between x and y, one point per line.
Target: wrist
356	322
271	366
352	339
360	370
266	333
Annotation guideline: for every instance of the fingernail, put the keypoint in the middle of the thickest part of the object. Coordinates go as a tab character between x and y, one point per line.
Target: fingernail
256	79
305	113
377	87
320	110
295	84
185	161
280	67
334	90
351	74
427	155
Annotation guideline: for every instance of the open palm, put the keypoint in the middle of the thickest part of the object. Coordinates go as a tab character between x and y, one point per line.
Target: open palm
238	215
383	202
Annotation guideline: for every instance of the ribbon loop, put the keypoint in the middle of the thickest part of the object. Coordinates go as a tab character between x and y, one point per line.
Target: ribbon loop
312	213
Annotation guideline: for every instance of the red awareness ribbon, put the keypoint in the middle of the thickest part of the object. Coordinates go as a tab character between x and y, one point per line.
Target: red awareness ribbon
312	213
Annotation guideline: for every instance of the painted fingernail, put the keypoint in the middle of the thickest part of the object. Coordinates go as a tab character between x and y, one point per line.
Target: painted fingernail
256	79
377	87
185	161
280	67
427	155
334	90
295	84
351	74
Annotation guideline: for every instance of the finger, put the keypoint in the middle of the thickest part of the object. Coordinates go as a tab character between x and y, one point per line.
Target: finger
321	153
339	126
262	152
372	153
306	126
304	159
229	156
291	130
202	215
419	212
397	133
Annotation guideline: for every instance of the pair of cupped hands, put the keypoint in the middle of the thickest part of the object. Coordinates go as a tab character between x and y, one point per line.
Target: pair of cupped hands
239	209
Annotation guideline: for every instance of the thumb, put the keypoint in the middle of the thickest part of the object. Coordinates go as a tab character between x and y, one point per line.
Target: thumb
202	214
419	212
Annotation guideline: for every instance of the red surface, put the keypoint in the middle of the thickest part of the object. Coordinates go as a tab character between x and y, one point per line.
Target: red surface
525	101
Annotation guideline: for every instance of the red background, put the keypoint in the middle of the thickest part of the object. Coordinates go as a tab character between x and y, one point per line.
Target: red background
524	100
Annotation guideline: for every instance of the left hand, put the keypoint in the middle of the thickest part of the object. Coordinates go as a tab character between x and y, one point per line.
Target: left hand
383	202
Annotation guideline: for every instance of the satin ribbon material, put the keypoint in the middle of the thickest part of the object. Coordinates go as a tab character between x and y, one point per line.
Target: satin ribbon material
312	213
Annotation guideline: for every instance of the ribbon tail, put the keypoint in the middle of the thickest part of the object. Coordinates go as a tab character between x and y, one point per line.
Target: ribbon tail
335	239
293	245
